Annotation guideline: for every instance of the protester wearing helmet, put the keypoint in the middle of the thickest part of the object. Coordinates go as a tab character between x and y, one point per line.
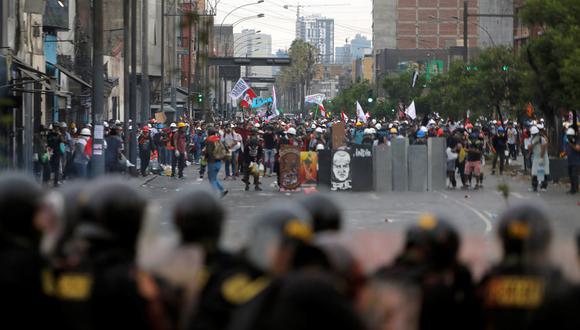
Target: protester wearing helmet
512	138
499	146
540	160
179	142
145	148
474	158
573	151
82	152
421	137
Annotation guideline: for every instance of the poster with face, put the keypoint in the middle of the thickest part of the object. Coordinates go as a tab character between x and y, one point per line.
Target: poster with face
341	173
338	133
308	169
289	167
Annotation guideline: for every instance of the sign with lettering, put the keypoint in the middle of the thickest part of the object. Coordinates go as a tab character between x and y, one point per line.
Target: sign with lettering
362	168
341	177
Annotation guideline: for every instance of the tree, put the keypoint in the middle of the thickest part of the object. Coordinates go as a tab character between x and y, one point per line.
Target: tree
554	58
295	79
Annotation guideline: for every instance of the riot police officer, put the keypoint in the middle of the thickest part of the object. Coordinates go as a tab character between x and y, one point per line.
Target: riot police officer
429	262
324	211
22	302
523	291
99	286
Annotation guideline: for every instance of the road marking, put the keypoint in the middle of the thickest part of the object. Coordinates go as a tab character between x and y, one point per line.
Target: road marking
486	221
517	195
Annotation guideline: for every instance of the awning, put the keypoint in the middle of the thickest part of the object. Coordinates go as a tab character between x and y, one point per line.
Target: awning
166	108
33	74
71	75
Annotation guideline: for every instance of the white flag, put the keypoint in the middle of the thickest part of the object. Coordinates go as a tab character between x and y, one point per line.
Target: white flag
239	89
411	111
415	76
360	113
275	112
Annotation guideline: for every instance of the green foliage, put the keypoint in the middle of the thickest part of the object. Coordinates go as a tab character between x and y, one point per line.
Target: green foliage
554	56
346	100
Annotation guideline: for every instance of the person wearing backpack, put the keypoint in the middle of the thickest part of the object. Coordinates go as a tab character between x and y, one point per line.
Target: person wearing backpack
216	152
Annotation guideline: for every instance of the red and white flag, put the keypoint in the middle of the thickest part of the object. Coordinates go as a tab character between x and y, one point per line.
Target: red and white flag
322	110
344	117
248	99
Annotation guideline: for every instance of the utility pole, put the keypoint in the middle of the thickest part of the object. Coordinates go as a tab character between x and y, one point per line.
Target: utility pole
98	159
173	57
126	72
465	32
162	56
189	59
133	90
145	87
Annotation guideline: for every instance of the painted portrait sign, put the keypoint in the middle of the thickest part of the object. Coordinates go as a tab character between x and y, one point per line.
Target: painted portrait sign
341	171
289	167
308	169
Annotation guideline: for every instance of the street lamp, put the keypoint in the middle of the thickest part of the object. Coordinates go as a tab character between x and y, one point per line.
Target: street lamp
60	3
481	27
233	10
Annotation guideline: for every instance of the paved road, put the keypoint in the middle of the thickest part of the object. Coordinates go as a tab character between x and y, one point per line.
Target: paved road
374	222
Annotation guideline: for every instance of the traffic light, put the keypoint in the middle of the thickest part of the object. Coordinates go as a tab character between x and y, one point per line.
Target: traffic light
370	96
199	97
505	68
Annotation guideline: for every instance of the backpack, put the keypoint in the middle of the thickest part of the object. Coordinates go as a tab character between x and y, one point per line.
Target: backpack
219	151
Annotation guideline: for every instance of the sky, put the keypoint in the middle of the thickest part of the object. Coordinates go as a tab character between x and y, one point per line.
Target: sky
350	18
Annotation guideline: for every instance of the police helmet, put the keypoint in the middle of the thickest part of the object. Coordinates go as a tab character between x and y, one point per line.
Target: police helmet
280	225
199	216
20	199
324	211
436	237
524	230
116	208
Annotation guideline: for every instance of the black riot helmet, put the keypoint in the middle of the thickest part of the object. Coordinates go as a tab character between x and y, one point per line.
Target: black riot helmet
524	231
117	208
281	225
20	199
435	238
325	213
199	215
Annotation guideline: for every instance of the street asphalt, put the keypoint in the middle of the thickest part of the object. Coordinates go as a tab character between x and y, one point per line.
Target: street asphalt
374	223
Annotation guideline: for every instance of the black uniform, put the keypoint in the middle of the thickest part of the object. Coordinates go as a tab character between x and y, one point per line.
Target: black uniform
517	296
499	143
253	153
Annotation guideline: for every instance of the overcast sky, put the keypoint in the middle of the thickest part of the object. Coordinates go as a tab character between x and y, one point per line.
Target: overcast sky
350	18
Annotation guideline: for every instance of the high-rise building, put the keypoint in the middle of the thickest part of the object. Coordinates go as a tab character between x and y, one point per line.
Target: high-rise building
343	55
360	46
319	32
248	43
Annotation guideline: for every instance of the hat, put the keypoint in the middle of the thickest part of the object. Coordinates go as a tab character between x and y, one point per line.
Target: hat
173	125
146	129
86	132
181	124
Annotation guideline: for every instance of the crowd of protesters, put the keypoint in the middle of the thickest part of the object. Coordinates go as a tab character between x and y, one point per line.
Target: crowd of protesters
246	148
70	261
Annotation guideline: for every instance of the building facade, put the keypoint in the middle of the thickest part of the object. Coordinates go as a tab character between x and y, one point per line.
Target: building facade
319	32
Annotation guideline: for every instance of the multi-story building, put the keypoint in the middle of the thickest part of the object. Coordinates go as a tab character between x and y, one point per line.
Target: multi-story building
360	46
522	32
343	55
248	43
319	32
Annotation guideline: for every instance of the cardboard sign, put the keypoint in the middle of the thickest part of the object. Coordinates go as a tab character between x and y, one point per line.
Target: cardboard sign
341	176
362	168
160	117
308	169
289	167
338	135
